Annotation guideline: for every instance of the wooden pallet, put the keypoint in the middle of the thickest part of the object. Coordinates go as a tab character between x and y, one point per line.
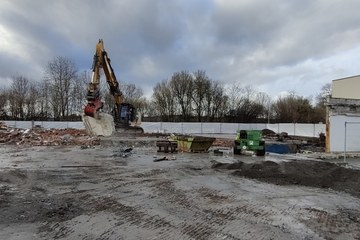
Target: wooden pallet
166	146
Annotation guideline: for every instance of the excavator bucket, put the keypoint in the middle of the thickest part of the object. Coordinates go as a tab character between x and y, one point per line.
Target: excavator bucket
102	125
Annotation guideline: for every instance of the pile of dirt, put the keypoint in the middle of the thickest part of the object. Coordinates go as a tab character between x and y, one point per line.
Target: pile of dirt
268	133
299	172
45	137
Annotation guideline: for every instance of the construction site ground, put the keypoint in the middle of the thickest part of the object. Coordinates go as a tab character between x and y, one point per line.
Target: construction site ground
124	189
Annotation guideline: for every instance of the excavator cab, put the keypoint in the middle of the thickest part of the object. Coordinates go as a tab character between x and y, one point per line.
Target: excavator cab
127	121
126	113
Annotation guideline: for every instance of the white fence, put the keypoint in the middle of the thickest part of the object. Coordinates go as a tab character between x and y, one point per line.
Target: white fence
306	130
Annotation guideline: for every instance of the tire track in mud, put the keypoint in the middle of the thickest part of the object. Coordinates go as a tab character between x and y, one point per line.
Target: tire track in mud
202	227
163	227
125	216
213	195
206	223
330	224
169	226
281	220
149	173
247	217
134	216
209	223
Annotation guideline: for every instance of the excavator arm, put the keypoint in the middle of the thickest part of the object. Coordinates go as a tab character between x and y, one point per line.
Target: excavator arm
102	61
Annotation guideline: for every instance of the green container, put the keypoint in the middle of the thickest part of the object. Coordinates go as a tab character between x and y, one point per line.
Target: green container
194	143
249	140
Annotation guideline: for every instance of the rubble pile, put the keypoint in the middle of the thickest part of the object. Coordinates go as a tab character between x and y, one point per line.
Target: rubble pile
45	137
223	142
2	126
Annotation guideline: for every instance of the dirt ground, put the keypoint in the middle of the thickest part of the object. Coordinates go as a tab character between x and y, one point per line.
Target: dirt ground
120	191
311	173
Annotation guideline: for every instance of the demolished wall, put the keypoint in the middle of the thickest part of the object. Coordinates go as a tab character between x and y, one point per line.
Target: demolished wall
45	137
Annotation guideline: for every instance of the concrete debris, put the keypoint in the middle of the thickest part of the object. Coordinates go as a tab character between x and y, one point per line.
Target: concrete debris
127	150
166	158
3	126
124	153
79	166
218	152
45	137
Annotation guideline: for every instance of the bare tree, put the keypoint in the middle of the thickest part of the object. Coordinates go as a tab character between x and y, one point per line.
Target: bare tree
44	108
321	98
60	75
294	109
4	96
19	90
245	105
264	100
235	93
78	93
251	107
148	108
320	105
31	101
216	102
181	84
201	86
163	101
135	96
131	93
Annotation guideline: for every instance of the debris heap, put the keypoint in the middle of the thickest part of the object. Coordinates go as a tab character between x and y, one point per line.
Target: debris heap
223	142
45	137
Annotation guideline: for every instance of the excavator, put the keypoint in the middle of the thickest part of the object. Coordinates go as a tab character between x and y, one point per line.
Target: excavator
123	118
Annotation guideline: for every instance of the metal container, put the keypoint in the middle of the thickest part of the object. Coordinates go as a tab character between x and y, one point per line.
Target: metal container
194	143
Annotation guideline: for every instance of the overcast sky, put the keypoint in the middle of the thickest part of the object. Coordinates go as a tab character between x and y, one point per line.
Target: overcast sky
275	46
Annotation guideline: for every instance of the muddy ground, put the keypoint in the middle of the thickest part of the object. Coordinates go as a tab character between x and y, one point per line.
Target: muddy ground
311	173
106	192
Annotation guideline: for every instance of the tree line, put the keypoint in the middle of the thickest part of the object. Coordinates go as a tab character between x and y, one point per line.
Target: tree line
185	96
194	96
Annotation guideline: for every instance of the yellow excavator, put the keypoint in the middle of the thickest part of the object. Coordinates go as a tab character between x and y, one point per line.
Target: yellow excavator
123	118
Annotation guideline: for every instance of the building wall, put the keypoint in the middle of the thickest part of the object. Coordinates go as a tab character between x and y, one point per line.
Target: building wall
346	88
341	140
344	115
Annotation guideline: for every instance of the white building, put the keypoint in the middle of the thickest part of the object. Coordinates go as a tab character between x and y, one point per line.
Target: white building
343	116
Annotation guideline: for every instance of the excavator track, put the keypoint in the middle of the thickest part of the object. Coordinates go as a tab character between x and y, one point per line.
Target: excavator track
129	129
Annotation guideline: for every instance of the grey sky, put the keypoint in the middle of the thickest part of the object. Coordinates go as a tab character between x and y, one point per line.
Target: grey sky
274	46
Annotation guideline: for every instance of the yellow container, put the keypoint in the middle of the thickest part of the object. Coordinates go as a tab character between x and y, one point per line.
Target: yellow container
194	143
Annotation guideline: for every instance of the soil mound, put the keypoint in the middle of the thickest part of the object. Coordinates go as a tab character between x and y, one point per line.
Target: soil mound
301	172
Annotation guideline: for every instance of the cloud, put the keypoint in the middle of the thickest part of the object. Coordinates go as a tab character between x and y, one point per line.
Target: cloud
275	46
